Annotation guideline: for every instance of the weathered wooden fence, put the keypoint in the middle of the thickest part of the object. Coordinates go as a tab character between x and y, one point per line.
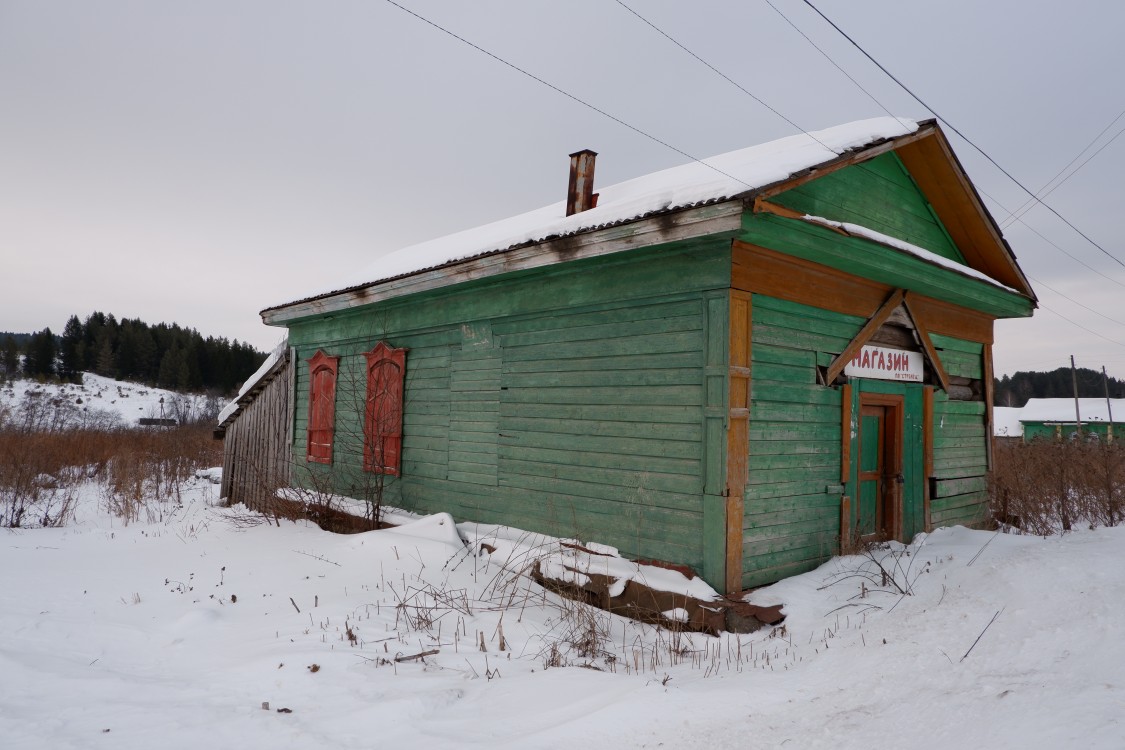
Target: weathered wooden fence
256	442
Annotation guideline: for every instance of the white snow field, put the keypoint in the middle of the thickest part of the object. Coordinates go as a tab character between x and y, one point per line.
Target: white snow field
175	633
99	396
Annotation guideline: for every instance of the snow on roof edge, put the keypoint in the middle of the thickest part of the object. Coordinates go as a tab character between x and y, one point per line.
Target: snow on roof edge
858	230
718	178
232	408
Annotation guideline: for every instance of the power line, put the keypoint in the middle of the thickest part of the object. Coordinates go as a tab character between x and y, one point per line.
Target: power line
829	59
1041	236
717	72
1029	204
952	127
569	95
1070	299
742	88
1079	325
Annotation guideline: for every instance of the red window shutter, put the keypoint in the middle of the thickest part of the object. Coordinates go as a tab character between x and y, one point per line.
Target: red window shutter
382	434
322	407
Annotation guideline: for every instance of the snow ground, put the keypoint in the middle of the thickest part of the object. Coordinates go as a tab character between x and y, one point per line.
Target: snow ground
120	399
172	633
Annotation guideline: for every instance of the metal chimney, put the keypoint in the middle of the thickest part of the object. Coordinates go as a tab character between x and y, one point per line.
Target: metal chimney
580	195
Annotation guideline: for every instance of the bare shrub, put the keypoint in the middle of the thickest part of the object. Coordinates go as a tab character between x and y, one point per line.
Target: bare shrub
1050	486
47	451
150	467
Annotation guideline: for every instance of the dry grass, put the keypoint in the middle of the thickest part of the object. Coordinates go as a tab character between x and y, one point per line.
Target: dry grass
41	470
1047	487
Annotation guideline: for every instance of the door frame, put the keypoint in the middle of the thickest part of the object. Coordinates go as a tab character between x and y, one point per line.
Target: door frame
914	422
890	501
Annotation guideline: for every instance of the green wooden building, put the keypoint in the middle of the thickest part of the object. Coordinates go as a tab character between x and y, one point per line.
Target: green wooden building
1063	419
737	366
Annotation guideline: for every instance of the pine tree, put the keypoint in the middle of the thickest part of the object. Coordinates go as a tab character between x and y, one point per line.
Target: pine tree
70	365
10	358
39	360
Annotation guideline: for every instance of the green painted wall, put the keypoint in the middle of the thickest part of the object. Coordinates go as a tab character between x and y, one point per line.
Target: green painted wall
1052	430
960	488
880	195
575	402
792	512
791	521
871	260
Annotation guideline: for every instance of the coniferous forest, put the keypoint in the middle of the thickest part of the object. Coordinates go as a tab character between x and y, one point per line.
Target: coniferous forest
1017	389
164	355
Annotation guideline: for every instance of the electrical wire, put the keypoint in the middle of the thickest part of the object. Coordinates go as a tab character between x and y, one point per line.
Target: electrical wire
1028	205
718	72
569	95
829	59
1071	299
1079	325
952	127
667	145
1041	236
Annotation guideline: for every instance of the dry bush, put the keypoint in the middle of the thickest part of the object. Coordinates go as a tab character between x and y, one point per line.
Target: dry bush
1051	486
150	467
45	459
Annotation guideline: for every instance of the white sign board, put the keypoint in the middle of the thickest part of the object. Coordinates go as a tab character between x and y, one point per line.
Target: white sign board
886	364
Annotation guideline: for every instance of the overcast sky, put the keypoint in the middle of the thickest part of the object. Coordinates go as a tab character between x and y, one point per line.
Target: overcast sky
197	162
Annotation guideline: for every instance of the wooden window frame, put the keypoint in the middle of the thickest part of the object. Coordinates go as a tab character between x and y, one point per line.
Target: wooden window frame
323	372
383	407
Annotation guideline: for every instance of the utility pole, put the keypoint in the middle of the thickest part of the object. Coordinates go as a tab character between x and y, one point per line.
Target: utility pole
1077	412
1108	406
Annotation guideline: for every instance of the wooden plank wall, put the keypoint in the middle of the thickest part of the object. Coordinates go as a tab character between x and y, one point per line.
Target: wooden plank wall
566	402
256	452
959	491
792	515
878	194
426	415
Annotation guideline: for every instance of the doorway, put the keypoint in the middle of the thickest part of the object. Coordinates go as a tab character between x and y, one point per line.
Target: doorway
879	510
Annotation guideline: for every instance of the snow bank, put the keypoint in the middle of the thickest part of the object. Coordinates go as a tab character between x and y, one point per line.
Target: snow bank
175	633
572	561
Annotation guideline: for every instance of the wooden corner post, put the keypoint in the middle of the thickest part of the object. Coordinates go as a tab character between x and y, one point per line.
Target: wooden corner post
738	435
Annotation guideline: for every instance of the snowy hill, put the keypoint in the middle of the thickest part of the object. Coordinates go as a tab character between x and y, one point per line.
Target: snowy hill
100	396
203	627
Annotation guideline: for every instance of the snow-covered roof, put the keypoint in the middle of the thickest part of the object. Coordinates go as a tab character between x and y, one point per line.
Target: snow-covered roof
274	357
1006	421
709	181
1062	410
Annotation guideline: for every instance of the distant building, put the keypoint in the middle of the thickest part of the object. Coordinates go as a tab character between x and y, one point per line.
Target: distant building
1055	419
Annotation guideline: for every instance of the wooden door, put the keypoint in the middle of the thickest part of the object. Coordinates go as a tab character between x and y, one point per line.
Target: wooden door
879	510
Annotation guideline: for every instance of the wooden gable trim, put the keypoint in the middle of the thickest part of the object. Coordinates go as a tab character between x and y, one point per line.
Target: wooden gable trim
775	209
941	178
897	299
766	207
925	129
873	324
938	173
927	344
764	271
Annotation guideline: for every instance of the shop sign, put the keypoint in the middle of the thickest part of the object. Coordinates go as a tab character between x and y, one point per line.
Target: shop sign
882	363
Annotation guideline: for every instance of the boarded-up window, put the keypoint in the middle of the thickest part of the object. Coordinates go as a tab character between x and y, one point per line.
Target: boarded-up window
382	432
322	407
